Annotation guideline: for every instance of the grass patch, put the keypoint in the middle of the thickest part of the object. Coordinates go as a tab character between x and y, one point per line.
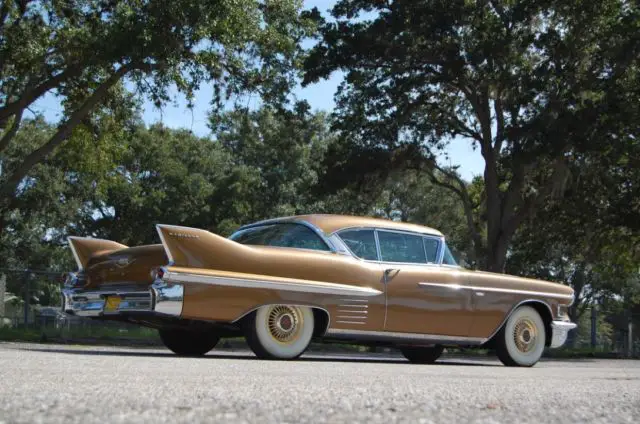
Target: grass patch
82	335
584	352
142	336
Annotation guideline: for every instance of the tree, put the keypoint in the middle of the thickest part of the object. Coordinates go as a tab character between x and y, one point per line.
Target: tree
533	84
56	193
582	240
82	51
257	164
163	176
280	153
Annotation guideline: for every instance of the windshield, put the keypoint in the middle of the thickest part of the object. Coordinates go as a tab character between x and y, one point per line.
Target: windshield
448	258
282	235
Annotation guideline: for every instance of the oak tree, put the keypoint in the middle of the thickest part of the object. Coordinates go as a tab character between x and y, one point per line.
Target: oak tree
93	55
532	84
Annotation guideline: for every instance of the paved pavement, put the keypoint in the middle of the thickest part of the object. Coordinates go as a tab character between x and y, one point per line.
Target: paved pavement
64	384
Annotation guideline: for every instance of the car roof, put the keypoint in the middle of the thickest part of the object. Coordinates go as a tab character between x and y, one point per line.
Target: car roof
329	224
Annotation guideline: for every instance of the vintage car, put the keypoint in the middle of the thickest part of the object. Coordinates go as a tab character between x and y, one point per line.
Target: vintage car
284	282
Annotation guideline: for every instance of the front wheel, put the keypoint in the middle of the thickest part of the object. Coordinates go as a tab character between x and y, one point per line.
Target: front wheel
520	342
422	355
188	343
279	331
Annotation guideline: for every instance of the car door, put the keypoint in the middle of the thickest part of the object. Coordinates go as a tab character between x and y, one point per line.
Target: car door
422	296
364	314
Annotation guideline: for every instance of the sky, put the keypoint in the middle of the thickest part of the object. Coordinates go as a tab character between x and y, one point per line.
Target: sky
320	96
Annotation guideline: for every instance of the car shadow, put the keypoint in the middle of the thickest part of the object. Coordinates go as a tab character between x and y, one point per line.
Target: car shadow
247	356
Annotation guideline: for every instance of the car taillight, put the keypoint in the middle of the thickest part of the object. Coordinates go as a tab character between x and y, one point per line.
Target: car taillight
74	280
157	273
70	279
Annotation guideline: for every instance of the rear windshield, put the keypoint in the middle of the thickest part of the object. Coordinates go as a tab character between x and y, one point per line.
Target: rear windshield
281	235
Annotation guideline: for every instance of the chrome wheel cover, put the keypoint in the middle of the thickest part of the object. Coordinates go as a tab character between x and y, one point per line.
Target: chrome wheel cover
284	323
525	335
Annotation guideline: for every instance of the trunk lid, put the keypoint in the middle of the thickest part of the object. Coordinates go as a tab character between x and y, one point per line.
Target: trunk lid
132	266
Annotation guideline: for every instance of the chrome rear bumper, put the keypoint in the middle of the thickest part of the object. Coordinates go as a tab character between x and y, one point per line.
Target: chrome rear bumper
160	298
560	331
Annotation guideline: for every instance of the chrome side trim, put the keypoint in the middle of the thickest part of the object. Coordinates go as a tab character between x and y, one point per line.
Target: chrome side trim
341	248
560	332
441	247
495	289
168	298
425	284
376	238
352	312
428	232
295	286
403	337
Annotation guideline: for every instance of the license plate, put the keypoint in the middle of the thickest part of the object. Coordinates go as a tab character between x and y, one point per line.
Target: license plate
112	303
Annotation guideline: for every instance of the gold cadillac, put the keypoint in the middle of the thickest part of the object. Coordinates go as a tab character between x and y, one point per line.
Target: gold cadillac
286	281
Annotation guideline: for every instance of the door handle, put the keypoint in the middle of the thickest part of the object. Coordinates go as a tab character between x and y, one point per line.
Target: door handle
388	272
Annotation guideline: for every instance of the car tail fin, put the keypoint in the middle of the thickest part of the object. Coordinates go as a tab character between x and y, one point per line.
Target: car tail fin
84	248
196	248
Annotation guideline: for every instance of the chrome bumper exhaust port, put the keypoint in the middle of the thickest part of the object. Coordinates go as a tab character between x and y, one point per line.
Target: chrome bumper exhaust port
161	298
167	298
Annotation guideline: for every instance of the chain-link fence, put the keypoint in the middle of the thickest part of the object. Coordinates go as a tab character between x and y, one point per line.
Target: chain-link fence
32	299
617	332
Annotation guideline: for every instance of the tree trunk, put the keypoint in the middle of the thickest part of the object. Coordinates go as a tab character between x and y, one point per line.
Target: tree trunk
496	256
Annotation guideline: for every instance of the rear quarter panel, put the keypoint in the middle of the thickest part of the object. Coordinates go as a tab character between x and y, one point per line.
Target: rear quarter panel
224	303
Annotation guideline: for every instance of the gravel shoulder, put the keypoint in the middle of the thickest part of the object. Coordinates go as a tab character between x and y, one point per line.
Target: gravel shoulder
61	383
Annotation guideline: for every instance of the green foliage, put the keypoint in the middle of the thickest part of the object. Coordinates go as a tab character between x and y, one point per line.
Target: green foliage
163	176
82	51
278	155
585	239
259	164
604	331
55	192
533	84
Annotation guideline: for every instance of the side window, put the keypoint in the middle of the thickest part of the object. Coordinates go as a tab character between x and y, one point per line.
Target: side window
431	246
281	235
361	242
401	247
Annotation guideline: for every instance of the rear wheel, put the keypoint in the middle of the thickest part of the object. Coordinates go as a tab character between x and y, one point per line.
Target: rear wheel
188	343
520	342
279	331
422	355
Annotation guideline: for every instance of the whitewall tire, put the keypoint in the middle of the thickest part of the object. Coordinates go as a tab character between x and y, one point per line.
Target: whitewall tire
279	331
521	341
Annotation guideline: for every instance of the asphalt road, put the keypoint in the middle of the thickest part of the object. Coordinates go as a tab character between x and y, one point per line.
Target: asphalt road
48	383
